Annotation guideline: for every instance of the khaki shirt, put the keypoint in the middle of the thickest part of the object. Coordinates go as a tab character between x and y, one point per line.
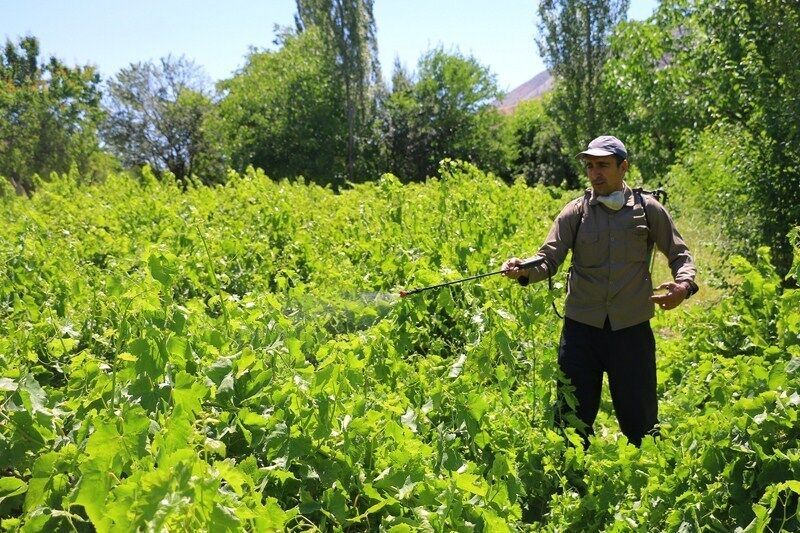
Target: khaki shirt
609	274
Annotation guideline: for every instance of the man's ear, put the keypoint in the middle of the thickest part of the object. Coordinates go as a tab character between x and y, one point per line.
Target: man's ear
624	165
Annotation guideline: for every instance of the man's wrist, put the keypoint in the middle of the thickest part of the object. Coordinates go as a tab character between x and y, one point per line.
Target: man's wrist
689	287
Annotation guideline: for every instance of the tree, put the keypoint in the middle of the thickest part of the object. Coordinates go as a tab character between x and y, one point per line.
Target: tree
347	28
283	112
447	111
538	150
747	64
398	117
156	115
697	71
573	40
49	115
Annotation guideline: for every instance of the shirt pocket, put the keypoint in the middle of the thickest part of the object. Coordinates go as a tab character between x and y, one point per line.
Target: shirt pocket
636	244
588	252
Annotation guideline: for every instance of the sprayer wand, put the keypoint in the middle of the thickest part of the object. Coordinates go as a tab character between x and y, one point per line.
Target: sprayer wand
522	266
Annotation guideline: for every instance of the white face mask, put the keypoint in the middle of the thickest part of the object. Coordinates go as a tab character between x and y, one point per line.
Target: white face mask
614	201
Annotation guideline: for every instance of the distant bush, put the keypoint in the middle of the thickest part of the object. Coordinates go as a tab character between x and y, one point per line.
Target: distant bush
538	149
284	112
713	178
445	110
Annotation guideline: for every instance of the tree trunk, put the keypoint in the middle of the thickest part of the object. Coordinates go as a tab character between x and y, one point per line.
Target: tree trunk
18	188
351	133
590	118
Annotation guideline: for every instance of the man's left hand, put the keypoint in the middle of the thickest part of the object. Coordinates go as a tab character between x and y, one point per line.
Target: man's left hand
675	295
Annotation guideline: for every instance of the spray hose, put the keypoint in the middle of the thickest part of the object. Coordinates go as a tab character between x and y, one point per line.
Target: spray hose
660	195
522	266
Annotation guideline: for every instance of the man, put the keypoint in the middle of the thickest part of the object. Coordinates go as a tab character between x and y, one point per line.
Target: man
611	230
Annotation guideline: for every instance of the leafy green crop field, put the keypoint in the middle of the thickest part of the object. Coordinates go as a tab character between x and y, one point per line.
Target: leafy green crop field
236	358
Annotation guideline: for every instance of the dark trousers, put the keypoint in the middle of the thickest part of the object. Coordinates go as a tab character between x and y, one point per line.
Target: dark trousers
629	357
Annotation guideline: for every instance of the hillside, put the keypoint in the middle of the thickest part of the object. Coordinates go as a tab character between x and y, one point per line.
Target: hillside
531	89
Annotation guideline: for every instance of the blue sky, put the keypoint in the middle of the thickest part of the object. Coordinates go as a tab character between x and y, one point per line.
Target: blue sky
111	34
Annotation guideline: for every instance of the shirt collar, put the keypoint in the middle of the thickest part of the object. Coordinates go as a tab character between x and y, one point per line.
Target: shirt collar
626	191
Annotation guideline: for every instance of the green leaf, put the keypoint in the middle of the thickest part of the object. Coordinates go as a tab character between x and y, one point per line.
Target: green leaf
11	486
471	483
250	418
32	395
59	347
7	385
105	444
235	478
244	363
92	491
777	376
407	489
478	406
409	419
280	475
188	393
221	368
162	269
503	342
445	300
295	347
335	502
271	517
458	366
223	519
39	520
178	349
149	362
9	524
325	375
176	434
492	522
373	509
135	429
215	446
40	484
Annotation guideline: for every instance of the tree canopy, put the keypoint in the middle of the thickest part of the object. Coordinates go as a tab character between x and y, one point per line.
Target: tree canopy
704	73
347	28
284	112
156	114
574	42
446	110
49	115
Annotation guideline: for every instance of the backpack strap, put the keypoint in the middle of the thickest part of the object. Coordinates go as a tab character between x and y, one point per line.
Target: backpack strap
637	198
582	209
639	193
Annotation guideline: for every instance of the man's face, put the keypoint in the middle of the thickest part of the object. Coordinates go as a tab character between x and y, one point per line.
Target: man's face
604	174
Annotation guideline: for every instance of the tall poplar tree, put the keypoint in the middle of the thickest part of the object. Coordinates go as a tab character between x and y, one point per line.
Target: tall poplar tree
574	42
348	28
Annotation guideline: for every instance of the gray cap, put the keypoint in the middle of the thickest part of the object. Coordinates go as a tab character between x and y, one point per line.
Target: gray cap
605	145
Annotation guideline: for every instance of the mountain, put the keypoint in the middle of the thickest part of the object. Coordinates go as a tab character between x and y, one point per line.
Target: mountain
531	89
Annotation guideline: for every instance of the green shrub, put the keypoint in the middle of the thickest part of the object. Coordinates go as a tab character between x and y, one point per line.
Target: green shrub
711	178
538	149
